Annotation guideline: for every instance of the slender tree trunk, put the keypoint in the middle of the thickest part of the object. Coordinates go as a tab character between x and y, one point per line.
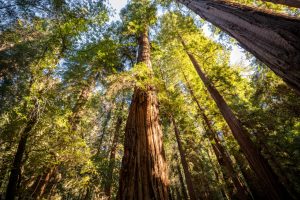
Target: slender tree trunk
282	174
252	180
273	39
104	129
78	109
184	163
183	191
15	172
257	162
115	142
292	3
222	156
178	195
42	183
144	171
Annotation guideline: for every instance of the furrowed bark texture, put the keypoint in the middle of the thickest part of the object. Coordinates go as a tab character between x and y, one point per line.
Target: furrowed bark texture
292	3
144	172
184	163
15	172
273	39
258	163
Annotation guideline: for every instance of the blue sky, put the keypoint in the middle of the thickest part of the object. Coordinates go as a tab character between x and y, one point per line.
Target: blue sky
118	5
237	55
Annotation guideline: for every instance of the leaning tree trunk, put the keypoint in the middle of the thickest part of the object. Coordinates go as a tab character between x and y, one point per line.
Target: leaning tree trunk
292	3
249	175
144	172
223	158
273	39
15	172
257	162
184	163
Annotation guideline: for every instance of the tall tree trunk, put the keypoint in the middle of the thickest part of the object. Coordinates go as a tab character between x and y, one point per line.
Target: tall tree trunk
223	158
42	183
183	190
252	180
78	109
292	3
257	162
104	128
144	170
184	163
112	157
15	172
273	39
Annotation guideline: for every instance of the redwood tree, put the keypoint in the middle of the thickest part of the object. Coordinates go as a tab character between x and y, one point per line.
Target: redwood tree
273	39
144	172
257	162
184	163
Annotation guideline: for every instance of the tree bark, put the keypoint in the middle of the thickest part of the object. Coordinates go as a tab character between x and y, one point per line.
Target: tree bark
223	158
112	157
42	183
273	39
291	3
183	190
78	109
252	180
257	162
184	163
15	172
144	172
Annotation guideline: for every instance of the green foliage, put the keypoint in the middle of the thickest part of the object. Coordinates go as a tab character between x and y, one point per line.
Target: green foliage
66	61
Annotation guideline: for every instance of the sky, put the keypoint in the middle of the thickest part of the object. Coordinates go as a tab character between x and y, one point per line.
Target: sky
117	5
237	56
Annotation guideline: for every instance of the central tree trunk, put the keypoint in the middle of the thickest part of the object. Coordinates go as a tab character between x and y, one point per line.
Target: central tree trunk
258	163
144	172
273	39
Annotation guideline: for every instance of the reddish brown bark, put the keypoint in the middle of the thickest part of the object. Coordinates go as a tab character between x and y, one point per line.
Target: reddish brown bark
251	179
222	156
273	39
144	172
292	3
42	182
258	163
184	163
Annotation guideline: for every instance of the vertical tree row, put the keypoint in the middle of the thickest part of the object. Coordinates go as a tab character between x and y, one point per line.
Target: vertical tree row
144	170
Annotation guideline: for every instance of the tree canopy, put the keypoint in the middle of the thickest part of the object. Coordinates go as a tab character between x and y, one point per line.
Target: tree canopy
150	106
